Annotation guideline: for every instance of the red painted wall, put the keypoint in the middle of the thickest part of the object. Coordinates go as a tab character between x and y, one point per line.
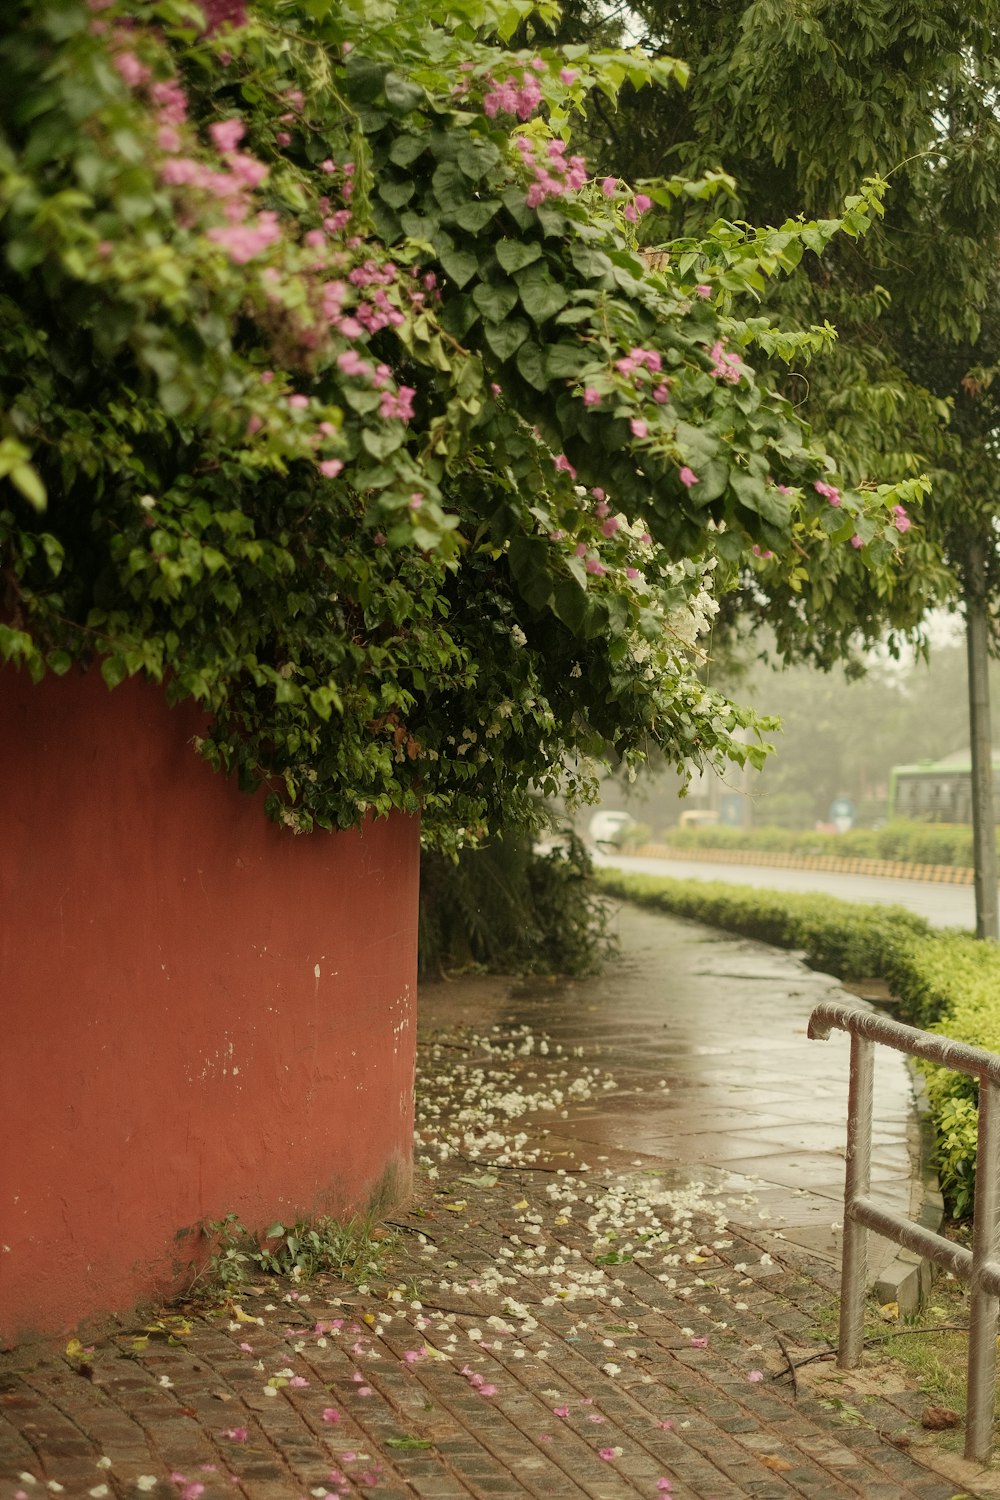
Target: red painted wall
199	1012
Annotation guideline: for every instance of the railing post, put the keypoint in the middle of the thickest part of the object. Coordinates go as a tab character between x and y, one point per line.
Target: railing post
983	1305
854	1266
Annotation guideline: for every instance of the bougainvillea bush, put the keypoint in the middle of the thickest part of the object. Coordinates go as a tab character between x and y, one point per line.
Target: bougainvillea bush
337	394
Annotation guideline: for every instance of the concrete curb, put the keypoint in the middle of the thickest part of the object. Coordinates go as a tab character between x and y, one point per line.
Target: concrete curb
834	864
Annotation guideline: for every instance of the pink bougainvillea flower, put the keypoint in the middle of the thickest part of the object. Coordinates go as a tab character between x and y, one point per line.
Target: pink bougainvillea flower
564	466
703	289
596	568
664	1484
857	541
610	526
222	13
226	134
828	491
591	396
688	477
298	1381
609	186
567	75
560	1411
640	429
755	1375
609	1454
666	1424
699	1343
643	203
901	520
331	1414
238	1434
726	366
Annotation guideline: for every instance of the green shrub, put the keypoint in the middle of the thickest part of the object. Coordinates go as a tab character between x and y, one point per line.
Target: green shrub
945	982
512	910
910	843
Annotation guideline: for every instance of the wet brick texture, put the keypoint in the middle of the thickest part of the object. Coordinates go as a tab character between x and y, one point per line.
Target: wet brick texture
541	1327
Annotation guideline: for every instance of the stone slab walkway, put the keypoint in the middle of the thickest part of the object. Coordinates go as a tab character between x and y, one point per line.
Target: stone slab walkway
572	1309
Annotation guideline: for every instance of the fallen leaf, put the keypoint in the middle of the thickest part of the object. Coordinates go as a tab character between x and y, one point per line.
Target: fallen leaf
241	1316
455	1208
937	1418
889	1312
779	1465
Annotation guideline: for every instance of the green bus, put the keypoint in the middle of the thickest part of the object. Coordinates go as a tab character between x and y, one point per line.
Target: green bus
938	791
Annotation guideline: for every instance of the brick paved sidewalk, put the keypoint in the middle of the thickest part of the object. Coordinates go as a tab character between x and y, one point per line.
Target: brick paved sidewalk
541	1328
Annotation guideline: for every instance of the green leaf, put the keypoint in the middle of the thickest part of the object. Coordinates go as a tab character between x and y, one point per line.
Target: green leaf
25	478
113	670
450	187
477	156
530	561
476	215
572	605
495	302
514	255
381	441
532	367
401	94
565	361
406	148
396	193
506	338
459	265
541	295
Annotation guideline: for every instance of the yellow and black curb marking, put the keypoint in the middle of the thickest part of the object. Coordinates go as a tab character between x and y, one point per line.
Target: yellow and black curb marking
944	874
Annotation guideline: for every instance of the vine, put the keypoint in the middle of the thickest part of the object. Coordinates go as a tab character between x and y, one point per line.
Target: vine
337	395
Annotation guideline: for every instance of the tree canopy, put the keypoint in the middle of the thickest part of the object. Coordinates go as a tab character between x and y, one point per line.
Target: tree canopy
798	103
337	394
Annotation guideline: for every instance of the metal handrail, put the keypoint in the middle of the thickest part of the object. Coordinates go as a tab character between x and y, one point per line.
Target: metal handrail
980	1266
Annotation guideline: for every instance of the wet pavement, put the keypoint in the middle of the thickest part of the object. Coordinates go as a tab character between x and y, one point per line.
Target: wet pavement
601	1289
941	905
717	1082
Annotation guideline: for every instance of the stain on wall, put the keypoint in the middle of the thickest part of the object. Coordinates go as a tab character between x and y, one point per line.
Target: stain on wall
201	1013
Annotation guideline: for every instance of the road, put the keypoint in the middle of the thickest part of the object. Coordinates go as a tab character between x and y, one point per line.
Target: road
942	905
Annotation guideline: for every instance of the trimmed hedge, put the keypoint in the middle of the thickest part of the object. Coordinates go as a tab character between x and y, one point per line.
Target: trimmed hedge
908	842
944	981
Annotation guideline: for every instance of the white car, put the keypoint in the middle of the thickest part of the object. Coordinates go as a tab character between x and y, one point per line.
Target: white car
604	828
